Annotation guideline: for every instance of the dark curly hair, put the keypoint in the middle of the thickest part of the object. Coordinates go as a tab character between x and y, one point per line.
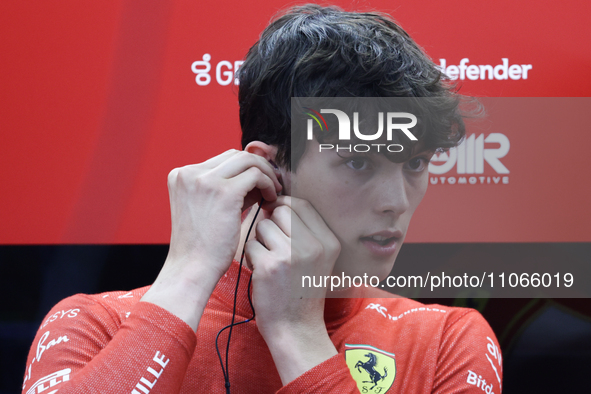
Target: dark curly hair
315	51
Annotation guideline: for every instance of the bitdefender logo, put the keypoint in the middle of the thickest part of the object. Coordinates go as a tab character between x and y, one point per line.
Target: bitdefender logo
392	120
499	72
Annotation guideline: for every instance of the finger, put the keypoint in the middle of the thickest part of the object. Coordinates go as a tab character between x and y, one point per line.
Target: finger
200	167
301	234
271	236
239	163
219	159
252	197
253	178
282	216
290	223
270	206
305	212
310	217
282	207
255	252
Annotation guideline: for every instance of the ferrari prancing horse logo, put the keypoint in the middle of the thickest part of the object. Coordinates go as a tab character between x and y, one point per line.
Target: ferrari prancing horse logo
373	369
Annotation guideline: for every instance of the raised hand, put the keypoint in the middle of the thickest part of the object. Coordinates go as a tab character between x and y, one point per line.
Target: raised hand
206	202
294	241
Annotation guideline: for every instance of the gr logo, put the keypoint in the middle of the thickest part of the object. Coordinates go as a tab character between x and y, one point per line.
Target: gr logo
470	155
344	131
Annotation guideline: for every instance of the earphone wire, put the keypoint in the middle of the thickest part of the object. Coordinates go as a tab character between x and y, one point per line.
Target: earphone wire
226	371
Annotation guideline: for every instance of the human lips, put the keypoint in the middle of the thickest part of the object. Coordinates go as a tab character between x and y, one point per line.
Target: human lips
383	236
382	243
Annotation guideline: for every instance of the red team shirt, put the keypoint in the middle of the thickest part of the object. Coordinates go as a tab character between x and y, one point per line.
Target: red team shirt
112	343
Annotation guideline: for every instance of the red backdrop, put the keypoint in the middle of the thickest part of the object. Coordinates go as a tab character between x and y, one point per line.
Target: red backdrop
100	101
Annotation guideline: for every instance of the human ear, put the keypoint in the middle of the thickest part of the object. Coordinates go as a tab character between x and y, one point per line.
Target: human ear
269	153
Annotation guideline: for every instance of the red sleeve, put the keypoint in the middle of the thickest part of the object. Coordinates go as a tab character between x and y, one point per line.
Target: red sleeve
470	359
331	376
82	347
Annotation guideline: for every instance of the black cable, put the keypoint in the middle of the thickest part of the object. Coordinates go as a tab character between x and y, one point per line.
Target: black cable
226	371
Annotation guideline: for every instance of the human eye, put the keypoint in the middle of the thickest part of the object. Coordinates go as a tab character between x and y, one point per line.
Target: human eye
358	163
417	164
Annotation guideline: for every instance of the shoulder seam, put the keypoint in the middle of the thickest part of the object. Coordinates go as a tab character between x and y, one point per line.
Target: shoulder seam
466	311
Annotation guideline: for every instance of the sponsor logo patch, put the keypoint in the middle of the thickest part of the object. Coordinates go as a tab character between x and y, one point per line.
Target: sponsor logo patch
49	381
373	369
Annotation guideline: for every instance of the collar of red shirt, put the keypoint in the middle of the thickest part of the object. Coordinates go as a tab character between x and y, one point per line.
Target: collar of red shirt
336	310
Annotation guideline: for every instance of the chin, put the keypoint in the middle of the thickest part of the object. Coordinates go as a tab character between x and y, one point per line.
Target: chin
385	271
381	269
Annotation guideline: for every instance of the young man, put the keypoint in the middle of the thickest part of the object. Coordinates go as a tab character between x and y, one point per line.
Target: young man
336	213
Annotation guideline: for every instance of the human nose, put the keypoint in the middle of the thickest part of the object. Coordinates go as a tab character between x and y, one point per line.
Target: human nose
392	194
